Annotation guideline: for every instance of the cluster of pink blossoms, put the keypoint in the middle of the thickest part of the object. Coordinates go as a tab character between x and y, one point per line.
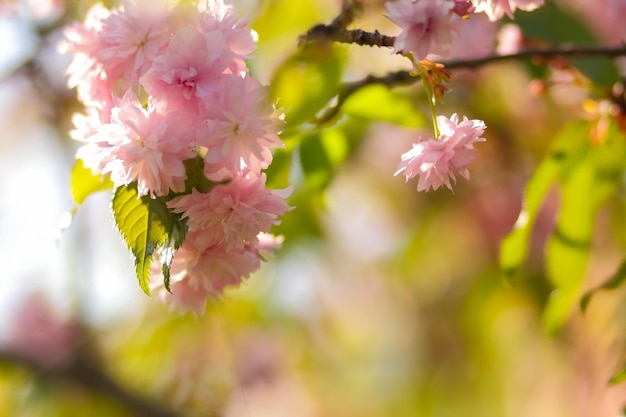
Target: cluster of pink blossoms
430	27
437	161
164	83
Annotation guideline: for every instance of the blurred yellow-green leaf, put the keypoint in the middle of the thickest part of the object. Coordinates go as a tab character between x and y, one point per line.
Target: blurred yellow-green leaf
377	102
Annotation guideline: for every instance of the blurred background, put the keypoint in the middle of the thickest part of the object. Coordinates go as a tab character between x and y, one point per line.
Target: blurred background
382	301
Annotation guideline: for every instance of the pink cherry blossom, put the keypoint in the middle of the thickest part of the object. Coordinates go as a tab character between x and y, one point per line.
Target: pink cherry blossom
147	147
428	26
239	38
189	72
496	9
96	151
86	73
200	272
132	37
437	161
241	128
39	335
233	214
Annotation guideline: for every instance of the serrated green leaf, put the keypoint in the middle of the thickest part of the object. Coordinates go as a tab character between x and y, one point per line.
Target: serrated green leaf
84	182
377	102
176	229
563	156
147	224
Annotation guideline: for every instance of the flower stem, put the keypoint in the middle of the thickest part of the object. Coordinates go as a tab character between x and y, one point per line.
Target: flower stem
429	94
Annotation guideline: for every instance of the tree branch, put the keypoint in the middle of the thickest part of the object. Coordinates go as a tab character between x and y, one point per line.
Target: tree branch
83	371
337	30
405	77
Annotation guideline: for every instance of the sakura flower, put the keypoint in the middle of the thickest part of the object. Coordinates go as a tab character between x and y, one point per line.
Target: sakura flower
240	130
132	37
86	72
200	272
233	214
189	72
428	26
437	161
38	334
496	9
96	151
240	39
510	39
147	147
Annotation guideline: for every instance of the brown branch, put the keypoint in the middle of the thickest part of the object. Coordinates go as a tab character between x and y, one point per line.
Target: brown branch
406	78
337	30
562	51
84	372
327	33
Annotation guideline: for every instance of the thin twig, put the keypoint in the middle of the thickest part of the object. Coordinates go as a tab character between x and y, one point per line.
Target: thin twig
406	78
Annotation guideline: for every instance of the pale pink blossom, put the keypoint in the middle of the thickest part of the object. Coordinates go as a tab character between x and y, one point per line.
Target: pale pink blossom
85	72
233	214
189	72
96	151
239	38
496	9
39	335
147	147
200	272
428	26
241	128
132	37
510	39
438	161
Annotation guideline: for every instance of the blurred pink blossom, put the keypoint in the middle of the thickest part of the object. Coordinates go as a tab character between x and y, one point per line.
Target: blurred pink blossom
38	335
437	161
496	9
428	26
510	39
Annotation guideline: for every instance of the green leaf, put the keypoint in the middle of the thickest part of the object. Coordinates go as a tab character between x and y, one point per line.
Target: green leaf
377	102
314	161
84	182
306	82
584	190
147	224
567	250
565	152
612	283
194	168
618	377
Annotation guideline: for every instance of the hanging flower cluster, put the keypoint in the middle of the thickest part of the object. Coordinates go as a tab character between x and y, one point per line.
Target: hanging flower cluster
430	27
437	161
173	115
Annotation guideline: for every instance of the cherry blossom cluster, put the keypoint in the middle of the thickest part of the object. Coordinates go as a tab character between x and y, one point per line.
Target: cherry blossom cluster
437	161
429	27
163	83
